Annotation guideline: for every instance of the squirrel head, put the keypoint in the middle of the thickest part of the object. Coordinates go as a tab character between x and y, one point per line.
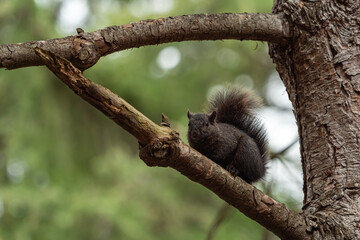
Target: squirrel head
201	125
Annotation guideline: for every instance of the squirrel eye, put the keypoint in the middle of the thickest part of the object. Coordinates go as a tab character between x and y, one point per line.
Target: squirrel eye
207	124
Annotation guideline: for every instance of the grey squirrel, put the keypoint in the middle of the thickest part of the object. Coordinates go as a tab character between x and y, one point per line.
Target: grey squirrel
231	135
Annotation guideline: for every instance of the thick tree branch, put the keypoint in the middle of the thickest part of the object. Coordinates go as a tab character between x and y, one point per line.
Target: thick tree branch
85	49
162	147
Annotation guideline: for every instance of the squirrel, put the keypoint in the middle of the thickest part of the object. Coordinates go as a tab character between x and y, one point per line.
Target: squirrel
231	135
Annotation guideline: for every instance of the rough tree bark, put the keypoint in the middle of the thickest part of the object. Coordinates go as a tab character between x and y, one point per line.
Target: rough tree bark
315	46
320	68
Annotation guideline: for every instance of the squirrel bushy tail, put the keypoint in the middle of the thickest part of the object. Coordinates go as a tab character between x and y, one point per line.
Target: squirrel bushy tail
236	107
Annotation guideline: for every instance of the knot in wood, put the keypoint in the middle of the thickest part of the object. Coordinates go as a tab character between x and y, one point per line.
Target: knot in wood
311	223
85	51
157	153
160	150
84	55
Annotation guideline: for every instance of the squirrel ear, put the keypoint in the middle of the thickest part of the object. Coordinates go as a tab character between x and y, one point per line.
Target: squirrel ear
189	114
212	117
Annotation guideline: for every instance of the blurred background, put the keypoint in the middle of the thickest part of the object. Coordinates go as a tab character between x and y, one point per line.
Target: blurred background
68	172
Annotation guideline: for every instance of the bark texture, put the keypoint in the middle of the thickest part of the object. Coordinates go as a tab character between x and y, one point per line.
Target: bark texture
85	49
161	146
321	70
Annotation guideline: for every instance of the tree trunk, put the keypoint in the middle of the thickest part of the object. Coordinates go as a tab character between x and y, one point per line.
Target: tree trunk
320	69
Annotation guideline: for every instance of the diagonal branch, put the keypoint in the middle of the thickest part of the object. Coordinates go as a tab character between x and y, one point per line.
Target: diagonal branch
163	147
85	49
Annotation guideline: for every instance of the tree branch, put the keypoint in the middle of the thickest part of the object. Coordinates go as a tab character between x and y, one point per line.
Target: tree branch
163	147
85	49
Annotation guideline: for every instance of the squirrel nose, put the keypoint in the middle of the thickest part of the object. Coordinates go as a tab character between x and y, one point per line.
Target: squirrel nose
195	134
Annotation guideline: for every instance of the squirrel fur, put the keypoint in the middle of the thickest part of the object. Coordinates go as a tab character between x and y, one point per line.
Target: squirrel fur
231	135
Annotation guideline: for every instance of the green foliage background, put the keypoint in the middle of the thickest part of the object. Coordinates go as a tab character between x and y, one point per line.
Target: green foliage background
68	172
